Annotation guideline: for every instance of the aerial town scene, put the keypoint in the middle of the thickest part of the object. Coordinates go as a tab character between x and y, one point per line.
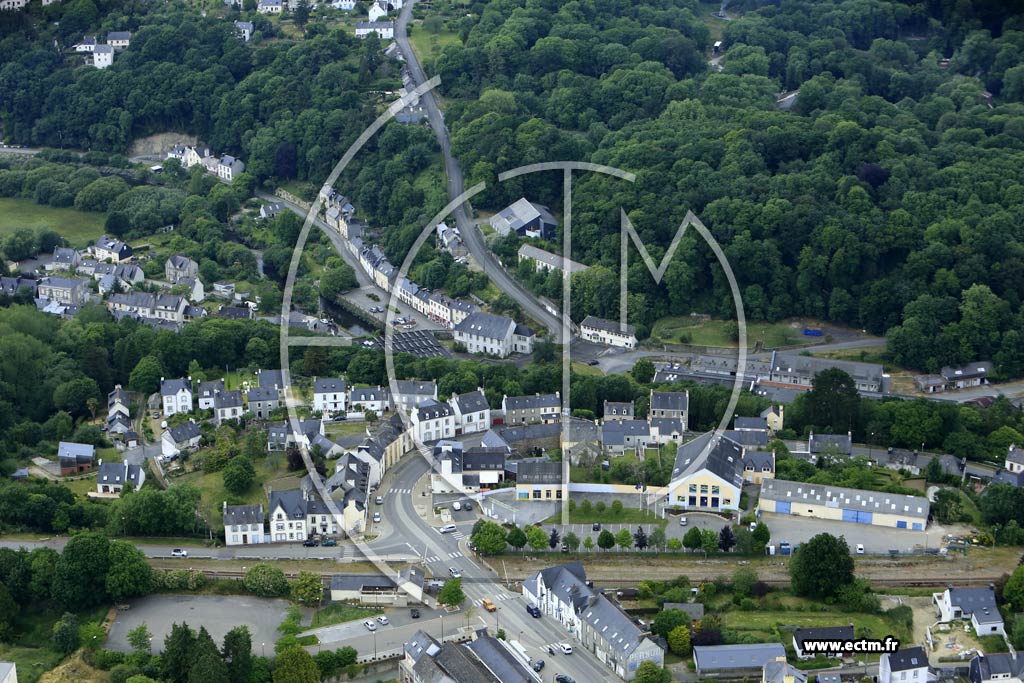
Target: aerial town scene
511	341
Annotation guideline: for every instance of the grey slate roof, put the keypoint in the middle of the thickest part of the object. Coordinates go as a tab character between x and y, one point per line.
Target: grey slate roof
361	582
243	514
273	379
533	402
70	449
262	394
977	602
291	501
723	459
850	499
498	659
1015	455
667	425
819	443
170	387
669	400
907	658
748	438
485	325
184	432
777	672
367	394
432	410
983	667
759	460
969	371
539	473
611	326
208	389
413	387
228	399
473	402
526	432
615	432
822	633
728	657
613	625
756	423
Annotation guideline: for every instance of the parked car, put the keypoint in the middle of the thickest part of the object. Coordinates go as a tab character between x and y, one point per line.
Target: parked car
860	548
370	625
414	613
456	574
597	526
311	543
329	543
179	552
564	678
682	521
592	362
447	529
456	506
467	506
376	516
379	500
538	665
383	620
534	612
566	648
565	548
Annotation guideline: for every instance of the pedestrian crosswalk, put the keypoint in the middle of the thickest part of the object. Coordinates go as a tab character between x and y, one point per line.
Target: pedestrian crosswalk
432	558
405	491
438	558
348	552
499	597
454	555
458	535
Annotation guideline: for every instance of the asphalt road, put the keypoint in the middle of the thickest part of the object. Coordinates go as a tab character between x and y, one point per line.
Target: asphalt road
473	237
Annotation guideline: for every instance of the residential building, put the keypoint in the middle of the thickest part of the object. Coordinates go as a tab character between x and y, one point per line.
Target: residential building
840	504
467	470
119	40
735	661
433	420
906	665
369	398
774	417
599	624
146	307
779	670
244	30
244	525
109	248
64	259
227	405
385	30
207	392
707	474
538	479
236	313
180	267
674	404
179	439
491	335
262	402
666	430
545	260
977	604
113	477
329	394
64	290
830	444
618	436
75	457
970	375
102	56
194	290
12	286
833	633
525	219
287	511
608	332
483	659
229	168
450	240
539	408
694	610
758	465
383	447
176	395
349	489
378	10
799	370
118	402
410	393
224	289
270	7
88	44
997	668
619	410
472	412
1014	462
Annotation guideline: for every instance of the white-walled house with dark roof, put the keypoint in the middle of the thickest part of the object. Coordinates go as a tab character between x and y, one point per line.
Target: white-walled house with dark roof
976	604
906	665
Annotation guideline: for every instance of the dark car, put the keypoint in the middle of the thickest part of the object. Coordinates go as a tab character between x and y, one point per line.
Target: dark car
311	543
414	613
534	612
597	526
329	543
538	665
564	678
592	362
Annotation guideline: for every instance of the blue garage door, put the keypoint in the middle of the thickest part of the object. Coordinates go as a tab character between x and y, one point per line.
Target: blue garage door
900	524
917	526
782	507
858	516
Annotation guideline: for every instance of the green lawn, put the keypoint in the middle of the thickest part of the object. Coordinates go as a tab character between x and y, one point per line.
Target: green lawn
430	45
32	662
339	612
586	370
28	646
719	333
271	470
79	228
346	428
766	625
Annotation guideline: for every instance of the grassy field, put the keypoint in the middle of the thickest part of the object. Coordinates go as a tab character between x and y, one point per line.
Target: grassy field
719	333
35	628
584	369
430	45
269	471
32	662
79	228
765	625
339	612
346	428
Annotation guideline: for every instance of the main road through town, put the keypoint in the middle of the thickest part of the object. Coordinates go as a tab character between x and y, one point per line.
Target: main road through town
470	234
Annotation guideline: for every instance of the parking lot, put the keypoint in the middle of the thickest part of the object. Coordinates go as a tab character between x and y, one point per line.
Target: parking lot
876	539
218	613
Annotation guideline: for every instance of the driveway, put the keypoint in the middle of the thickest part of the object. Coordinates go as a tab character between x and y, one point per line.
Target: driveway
217	613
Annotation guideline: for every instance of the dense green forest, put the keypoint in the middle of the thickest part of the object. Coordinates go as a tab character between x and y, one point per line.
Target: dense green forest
888	198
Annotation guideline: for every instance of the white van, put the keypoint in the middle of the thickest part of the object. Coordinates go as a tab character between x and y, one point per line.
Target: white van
447	528
456	506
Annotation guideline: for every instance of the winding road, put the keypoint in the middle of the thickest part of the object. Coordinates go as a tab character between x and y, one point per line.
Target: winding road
453	172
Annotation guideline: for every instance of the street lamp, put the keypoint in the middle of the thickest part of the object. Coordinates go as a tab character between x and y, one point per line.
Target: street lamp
375	643
263	647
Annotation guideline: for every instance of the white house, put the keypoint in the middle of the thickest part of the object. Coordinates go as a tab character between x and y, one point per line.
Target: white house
244	525
608	332
102	56
112	477
88	44
997	668
385	30
244	30
369	398
176	395
378	11
207	392
433	420
906	665
329	394
109	248
270	7
227	405
411	393
472	412
977	604
228	168
180	438
827	633
485	333
119	40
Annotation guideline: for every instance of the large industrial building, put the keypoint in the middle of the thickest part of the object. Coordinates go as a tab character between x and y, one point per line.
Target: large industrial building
844	505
